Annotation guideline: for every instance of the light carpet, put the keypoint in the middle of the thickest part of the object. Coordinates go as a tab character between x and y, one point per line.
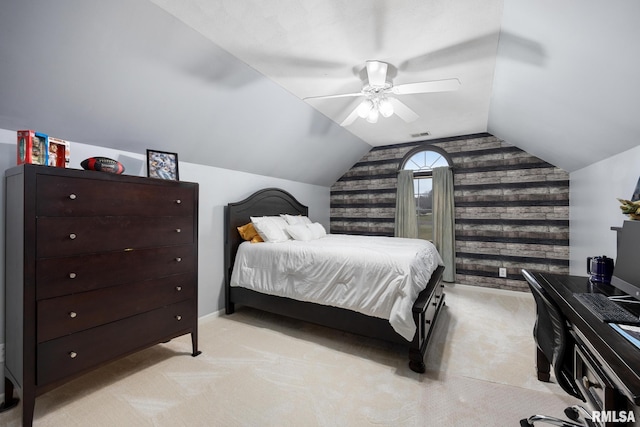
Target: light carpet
258	369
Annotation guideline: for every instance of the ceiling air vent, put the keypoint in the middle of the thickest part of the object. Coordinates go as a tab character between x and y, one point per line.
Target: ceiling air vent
419	135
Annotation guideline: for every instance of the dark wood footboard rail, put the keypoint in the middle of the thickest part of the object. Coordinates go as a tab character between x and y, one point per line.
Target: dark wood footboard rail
425	313
275	201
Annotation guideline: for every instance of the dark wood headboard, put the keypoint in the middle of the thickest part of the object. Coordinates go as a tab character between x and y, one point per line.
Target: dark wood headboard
266	202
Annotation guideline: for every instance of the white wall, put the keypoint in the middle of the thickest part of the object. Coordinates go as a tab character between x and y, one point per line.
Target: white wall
217	188
594	208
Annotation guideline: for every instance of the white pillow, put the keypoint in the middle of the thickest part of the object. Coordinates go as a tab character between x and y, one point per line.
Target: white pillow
277	219
300	232
271	228
317	230
296	219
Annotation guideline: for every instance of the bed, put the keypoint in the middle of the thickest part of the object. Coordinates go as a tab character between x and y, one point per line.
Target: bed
366	320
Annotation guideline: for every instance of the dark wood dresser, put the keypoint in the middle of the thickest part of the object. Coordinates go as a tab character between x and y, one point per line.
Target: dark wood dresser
98	266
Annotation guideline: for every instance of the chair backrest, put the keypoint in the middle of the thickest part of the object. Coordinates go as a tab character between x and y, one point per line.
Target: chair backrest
552	337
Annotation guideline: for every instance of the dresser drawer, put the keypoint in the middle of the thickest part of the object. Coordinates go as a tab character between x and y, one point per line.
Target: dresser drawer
62	236
66	196
64	315
67	275
592	382
59	358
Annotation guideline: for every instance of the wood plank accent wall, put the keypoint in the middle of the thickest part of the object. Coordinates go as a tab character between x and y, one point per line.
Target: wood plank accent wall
511	208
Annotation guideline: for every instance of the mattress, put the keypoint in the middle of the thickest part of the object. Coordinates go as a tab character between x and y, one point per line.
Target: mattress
376	276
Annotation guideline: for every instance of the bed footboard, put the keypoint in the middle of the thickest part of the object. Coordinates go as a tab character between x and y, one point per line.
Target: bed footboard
425	313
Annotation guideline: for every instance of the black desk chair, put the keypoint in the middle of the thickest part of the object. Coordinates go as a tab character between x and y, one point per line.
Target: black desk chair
555	346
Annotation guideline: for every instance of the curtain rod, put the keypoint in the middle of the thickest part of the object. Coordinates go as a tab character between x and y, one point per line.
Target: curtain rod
428	171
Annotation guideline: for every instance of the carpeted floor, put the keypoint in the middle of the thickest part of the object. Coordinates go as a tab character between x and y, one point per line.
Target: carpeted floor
258	369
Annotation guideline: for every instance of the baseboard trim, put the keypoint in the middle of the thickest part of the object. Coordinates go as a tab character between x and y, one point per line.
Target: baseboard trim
486	290
209	317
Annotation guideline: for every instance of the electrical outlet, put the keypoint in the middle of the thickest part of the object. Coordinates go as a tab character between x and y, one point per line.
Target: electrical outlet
502	272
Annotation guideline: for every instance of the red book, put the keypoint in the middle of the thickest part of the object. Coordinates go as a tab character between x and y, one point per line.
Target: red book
33	147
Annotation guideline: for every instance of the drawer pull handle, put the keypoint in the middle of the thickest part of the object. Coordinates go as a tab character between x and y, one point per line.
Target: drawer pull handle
73	354
178	230
178	201
72	275
178	288
72	196
73	314
178	259
178	318
588	384
72	236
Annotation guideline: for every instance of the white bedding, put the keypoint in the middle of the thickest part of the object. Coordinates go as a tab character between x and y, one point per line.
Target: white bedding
376	276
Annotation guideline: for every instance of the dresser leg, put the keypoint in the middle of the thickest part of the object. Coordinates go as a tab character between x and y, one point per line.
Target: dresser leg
9	400
543	368
28	406
194	344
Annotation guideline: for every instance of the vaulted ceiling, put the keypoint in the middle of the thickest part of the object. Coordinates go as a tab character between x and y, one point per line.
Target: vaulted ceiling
315	48
226	83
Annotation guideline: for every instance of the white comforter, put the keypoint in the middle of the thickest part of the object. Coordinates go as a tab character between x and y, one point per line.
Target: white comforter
376	276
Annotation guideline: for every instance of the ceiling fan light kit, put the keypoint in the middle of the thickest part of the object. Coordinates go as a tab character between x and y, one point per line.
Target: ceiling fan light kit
373	107
385	107
375	91
365	108
373	116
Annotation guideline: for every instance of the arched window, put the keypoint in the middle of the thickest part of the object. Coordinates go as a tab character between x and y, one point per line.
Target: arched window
422	161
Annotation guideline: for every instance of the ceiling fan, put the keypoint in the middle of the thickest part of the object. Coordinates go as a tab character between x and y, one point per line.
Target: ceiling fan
378	93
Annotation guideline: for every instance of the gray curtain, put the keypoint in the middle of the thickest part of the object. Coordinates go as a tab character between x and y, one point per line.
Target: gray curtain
444	220
406	219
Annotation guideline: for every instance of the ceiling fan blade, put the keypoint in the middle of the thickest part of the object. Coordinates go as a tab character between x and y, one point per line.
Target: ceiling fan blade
427	87
509	45
404	112
350	118
341	95
377	73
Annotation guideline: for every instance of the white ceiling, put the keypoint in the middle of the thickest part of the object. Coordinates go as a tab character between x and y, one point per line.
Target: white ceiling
126	75
315	48
580	103
223	82
558	79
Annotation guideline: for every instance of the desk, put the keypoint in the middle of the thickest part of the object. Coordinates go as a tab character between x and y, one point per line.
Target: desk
601	353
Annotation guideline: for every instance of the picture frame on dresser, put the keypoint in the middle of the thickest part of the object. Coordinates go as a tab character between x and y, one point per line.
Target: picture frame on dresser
163	165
